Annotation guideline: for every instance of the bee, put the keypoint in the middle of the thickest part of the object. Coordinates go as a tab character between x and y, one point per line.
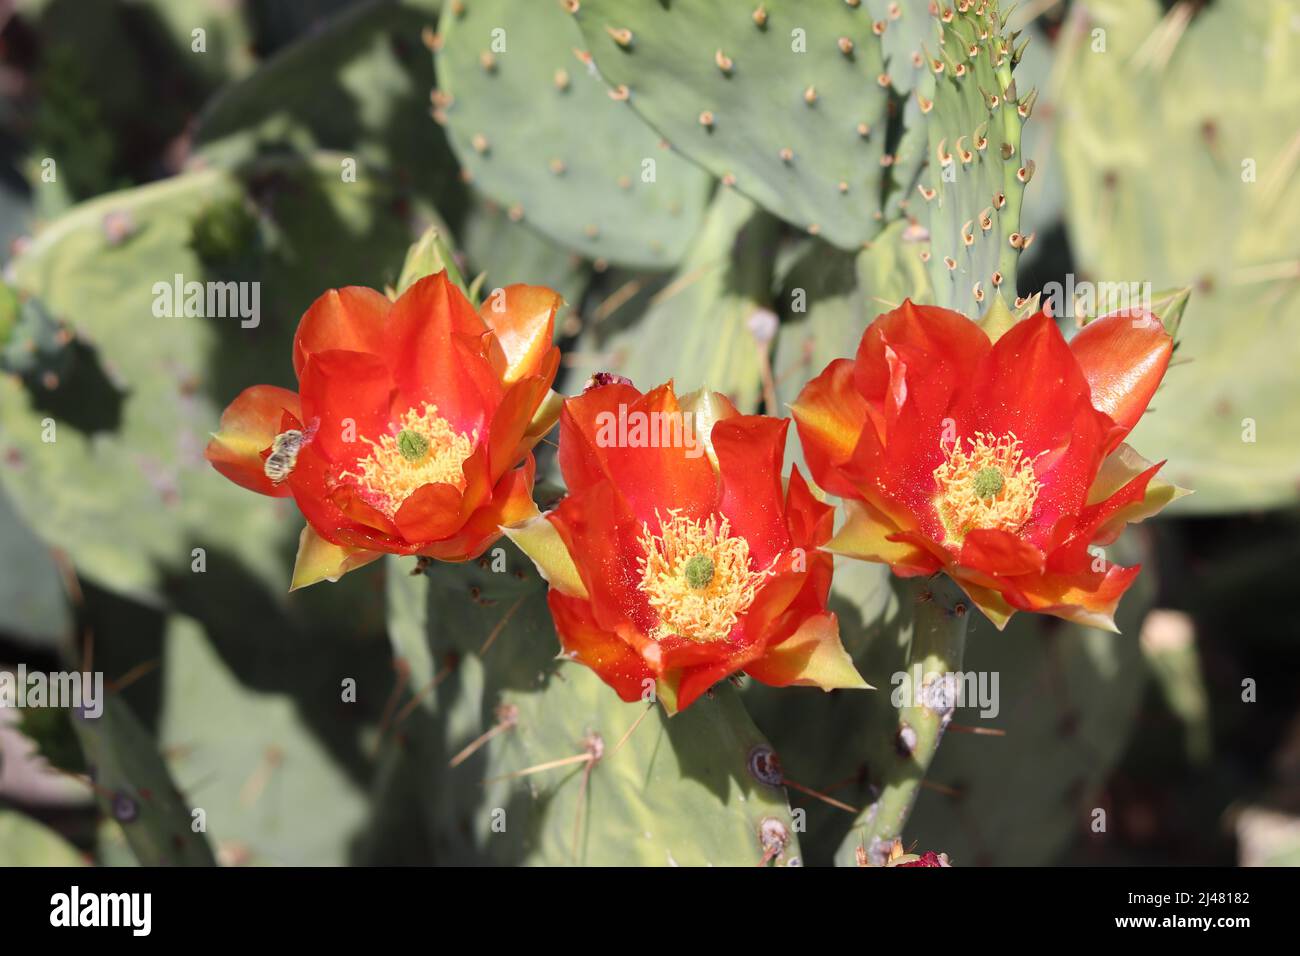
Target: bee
284	454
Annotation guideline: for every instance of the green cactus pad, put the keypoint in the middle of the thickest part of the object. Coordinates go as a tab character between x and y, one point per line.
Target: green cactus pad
1171	181
1011	811
358	82
536	129
792	109
970	195
706	313
133	787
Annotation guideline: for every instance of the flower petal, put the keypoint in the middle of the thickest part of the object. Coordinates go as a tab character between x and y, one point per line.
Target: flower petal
750	451
1087	597
320	560
1030	386
438	349
919	356
438	510
346	398
1124	356
523	320
511	502
644	446
508	440
1120	468
830	415
1001	553
613	660
353	319
813	656
870	535
248	427
536	537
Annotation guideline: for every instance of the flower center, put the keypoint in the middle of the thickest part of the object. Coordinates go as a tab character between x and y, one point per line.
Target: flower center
696	576
699	571
990	486
426	449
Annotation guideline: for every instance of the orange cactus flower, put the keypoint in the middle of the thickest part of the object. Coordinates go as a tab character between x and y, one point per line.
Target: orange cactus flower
412	428
1001	463
678	558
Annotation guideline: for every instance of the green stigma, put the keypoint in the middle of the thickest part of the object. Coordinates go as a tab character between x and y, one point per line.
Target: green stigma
412	445
699	571
988	482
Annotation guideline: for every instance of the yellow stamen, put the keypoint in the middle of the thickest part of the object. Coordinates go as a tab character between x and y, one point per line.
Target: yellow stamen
992	486
697	576
425	449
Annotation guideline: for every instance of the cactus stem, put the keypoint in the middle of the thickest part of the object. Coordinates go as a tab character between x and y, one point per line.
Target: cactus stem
938	642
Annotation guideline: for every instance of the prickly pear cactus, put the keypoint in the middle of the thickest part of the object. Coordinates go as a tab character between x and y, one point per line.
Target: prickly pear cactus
1065	700
542	763
716	310
1158	149
536	129
357	83
976	173
133	787
144	382
786	102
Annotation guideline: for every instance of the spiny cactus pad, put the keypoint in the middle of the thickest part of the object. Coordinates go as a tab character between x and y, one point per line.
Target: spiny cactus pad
1158	157
715	311
133	787
971	192
787	101
535	128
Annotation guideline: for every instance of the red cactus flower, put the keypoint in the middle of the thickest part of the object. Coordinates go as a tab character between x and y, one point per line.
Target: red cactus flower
1000	463
677	557
412	429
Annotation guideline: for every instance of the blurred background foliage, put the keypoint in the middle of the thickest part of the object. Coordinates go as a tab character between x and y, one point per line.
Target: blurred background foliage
129	155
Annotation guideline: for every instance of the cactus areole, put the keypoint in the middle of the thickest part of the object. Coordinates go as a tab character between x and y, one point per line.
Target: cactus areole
1000	462
421	415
